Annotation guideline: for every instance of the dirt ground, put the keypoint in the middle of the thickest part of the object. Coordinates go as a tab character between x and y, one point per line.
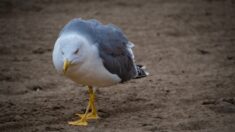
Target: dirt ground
188	47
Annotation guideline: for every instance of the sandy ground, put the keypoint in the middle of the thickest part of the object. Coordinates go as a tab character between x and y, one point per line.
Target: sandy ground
188	47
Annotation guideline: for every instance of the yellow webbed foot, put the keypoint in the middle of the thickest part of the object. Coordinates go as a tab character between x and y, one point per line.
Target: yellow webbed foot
89	116
80	122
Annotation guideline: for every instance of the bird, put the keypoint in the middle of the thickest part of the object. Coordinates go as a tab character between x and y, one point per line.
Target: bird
94	55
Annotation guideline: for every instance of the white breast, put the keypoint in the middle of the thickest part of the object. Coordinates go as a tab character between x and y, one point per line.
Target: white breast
92	71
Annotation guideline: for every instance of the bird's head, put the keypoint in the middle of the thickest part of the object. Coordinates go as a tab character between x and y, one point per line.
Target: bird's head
71	50
70	55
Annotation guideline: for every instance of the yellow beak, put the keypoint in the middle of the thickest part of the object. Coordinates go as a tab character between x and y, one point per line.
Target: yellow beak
66	65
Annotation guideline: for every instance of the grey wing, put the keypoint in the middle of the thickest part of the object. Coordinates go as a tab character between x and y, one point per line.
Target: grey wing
115	53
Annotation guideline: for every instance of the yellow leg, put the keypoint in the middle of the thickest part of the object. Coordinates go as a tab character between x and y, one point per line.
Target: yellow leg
87	115
93	114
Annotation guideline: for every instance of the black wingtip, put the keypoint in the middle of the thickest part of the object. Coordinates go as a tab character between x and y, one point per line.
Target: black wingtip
141	72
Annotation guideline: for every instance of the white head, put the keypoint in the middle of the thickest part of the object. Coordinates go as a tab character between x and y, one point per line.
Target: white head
68	51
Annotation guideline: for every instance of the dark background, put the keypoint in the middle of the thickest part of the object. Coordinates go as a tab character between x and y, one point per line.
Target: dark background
188	47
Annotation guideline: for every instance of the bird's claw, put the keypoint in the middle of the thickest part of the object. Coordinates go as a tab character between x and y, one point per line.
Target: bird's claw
89	116
80	122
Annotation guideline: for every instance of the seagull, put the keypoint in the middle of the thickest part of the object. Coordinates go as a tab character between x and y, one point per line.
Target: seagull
94	55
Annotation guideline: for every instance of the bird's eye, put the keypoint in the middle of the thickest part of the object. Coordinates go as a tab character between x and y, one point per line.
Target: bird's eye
76	51
62	52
